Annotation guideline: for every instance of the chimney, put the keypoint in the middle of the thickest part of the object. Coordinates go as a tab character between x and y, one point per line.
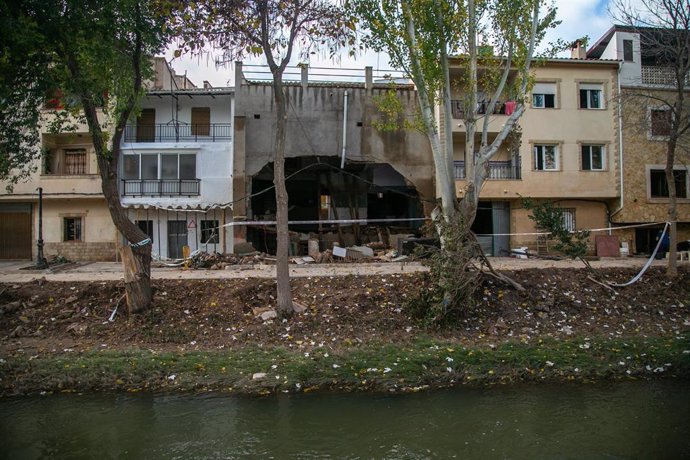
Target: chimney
207	85
577	50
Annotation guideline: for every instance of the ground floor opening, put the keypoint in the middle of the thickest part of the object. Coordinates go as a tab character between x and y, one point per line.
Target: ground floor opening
320	193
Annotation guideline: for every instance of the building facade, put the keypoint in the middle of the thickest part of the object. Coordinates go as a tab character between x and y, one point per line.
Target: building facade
645	83
567	153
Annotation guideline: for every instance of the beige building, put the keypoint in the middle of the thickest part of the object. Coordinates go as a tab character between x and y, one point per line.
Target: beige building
568	152
177	171
644	85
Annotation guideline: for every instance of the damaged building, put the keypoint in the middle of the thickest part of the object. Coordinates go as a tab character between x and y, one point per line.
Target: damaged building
340	164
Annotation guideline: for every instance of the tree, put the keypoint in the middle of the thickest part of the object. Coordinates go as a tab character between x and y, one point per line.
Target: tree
422	35
273	29
97	53
664	28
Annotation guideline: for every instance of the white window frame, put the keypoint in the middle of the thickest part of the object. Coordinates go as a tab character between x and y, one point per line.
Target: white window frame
159	166
589	88
538	149
543	89
603	157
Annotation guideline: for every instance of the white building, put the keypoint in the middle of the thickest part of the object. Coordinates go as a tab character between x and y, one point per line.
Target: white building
176	170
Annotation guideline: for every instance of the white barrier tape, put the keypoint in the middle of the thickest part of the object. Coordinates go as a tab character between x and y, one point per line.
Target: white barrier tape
649	262
575	231
315	222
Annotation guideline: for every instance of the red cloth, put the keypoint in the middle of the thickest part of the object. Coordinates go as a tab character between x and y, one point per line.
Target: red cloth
510	107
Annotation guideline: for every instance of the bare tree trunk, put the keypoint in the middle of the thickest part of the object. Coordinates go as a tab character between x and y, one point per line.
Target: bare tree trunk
672	269
138	271
445	178
284	294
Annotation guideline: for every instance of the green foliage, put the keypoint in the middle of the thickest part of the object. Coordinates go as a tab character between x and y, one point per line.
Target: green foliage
269	28
549	218
81	53
453	277
392	114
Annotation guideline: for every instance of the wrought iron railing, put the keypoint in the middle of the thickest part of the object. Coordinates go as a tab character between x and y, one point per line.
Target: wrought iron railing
180	132
163	187
498	170
501	108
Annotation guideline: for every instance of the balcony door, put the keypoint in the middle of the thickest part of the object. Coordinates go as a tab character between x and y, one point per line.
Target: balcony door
146	126
177	238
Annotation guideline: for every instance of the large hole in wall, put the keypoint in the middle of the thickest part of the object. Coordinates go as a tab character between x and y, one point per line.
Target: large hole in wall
319	191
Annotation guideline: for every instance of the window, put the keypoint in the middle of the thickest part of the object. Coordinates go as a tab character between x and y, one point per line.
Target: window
628	50
591	96
544	96
72	229
593	157
201	121
173	166
658	186
546	157
568	219
75	162
145	226
210	230
660	122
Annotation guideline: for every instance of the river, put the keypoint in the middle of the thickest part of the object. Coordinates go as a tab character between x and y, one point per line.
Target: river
613	420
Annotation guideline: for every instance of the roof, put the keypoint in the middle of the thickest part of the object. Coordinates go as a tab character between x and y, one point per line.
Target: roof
192	91
647	34
334	84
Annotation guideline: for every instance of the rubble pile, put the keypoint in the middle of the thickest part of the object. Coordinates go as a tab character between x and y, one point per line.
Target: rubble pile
218	261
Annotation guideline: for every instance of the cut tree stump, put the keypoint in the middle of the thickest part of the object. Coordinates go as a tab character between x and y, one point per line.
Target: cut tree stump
137	282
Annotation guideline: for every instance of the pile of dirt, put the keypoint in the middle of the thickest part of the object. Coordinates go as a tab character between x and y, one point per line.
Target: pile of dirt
340	311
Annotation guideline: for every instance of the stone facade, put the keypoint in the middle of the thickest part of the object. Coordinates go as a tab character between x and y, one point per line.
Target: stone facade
81	251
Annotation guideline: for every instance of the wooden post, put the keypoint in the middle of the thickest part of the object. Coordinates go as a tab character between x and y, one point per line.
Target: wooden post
137	281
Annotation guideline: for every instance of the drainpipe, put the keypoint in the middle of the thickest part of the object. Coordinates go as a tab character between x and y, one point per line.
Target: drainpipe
620	144
342	159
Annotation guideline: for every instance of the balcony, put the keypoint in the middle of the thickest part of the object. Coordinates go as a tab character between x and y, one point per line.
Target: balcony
498	170
180	132
660	76
502	108
163	187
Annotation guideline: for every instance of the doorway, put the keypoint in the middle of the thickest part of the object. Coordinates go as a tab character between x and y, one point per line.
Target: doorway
177	238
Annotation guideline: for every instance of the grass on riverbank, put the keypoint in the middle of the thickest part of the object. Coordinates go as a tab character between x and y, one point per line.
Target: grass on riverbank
422	364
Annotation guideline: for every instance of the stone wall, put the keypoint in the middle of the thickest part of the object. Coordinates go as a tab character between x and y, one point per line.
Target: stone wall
78	251
640	151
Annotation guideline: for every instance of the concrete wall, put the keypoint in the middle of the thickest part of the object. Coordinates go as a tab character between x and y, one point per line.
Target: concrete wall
315	121
631	72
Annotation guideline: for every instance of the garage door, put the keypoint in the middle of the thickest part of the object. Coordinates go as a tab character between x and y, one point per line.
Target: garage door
15	231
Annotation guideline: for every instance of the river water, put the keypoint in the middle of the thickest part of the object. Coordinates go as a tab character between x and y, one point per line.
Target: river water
621	420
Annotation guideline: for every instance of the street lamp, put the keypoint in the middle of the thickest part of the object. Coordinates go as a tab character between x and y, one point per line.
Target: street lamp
41	262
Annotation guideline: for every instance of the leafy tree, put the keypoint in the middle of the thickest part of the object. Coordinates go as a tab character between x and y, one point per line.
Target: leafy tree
494	43
549	218
275	30
664	28
97	53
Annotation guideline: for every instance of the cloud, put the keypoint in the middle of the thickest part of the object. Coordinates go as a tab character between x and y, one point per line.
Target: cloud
578	18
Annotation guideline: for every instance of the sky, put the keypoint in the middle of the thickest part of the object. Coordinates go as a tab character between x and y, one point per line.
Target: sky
579	18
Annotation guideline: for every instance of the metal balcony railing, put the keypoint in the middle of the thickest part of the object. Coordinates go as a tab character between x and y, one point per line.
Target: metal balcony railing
180	132
458	109
163	187
498	170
